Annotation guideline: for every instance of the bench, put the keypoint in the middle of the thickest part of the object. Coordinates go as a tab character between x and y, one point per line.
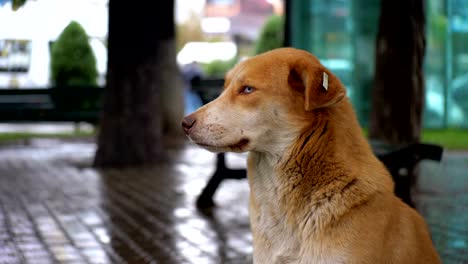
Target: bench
399	160
74	104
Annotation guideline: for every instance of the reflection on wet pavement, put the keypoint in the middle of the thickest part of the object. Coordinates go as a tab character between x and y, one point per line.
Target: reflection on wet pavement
54	208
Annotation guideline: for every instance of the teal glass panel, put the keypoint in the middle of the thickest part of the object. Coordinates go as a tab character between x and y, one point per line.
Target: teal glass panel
342	34
457	94
446	64
434	64
365	15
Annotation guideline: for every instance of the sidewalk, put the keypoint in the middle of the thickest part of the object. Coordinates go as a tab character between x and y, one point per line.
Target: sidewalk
55	208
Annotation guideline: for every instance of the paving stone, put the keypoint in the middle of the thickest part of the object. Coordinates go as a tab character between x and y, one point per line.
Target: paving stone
55	208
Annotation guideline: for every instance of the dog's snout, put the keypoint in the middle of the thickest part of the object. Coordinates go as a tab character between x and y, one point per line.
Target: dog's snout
188	122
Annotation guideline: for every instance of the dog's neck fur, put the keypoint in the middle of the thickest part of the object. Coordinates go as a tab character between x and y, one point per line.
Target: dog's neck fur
317	174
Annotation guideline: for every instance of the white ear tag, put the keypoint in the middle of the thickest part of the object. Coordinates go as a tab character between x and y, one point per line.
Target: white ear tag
325	81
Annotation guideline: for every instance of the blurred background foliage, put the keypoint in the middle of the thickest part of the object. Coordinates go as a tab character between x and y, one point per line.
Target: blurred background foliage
271	35
73	62
16	4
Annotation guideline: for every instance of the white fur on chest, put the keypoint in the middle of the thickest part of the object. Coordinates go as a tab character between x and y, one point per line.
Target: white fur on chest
274	240
267	221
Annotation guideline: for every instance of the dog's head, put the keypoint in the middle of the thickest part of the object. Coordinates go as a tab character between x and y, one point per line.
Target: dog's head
266	101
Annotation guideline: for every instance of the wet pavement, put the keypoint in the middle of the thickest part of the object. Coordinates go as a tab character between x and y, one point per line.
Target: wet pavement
55	208
45	127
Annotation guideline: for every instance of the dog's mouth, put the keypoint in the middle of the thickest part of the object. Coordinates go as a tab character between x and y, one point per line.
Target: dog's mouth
239	146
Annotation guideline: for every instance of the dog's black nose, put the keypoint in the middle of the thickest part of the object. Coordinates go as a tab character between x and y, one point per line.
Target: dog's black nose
188	122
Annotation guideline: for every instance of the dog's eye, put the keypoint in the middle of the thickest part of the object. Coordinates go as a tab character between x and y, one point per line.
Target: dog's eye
247	90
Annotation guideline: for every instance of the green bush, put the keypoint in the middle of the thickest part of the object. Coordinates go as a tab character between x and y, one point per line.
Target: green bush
16	4
72	59
271	35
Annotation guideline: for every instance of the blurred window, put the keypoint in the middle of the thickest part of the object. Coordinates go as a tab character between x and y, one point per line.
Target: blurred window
15	55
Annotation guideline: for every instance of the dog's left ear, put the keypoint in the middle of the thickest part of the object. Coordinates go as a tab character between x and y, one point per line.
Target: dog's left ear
318	85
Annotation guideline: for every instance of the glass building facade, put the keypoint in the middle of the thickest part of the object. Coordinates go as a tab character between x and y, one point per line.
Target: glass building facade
342	34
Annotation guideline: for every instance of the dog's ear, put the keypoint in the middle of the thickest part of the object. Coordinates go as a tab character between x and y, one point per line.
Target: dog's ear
318	85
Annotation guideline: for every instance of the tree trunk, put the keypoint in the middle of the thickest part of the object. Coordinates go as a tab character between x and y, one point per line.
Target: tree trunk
398	92
141	70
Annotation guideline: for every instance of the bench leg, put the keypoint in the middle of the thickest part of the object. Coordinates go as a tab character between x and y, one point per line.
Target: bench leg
205	199
403	179
403	184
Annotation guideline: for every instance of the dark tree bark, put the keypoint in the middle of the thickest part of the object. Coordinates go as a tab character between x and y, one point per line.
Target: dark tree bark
142	74
398	92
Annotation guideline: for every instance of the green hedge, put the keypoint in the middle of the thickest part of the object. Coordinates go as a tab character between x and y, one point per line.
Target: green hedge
271	35
72	59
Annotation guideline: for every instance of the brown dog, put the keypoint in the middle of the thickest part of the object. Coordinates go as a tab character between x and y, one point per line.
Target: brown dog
318	193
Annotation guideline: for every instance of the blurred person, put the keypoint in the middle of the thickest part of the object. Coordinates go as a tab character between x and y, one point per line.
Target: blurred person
191	72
